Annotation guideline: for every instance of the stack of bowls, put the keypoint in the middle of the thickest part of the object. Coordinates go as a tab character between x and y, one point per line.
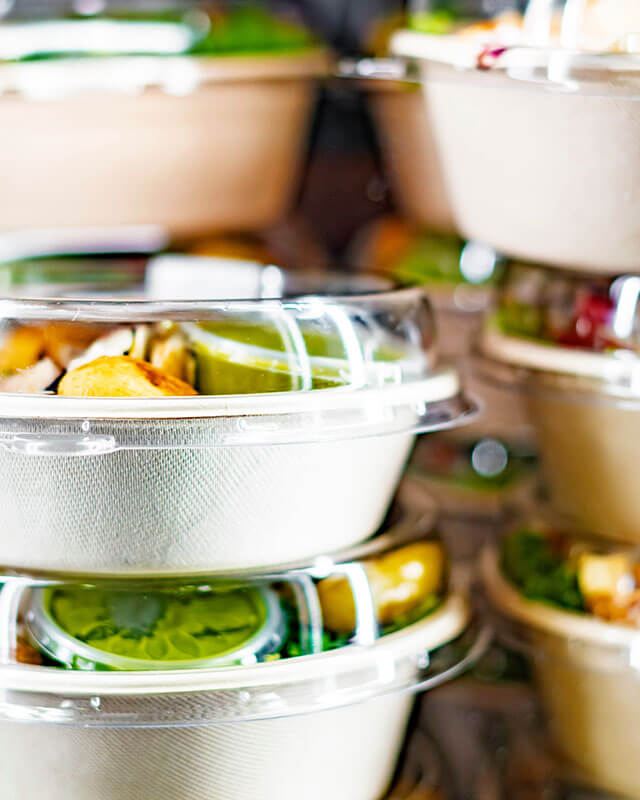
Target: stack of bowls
193	605
518	107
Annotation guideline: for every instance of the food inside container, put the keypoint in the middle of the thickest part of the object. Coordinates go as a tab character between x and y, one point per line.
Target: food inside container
245	619
296	695
508	100
460	281
569	343
569	602
230	89
174	414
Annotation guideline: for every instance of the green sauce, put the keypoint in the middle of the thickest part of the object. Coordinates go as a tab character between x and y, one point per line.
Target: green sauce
159	626
265	366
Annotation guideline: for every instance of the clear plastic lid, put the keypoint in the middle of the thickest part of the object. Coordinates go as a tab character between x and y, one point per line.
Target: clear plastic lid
97	337
131	654
566	330
221	28
588	46
176	51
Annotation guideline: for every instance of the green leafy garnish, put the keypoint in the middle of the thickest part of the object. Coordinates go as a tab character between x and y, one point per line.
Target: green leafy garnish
530	562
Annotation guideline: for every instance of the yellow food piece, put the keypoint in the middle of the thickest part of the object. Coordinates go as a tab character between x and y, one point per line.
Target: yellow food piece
121	376
63	341
172	356
21	348
399	582
604	575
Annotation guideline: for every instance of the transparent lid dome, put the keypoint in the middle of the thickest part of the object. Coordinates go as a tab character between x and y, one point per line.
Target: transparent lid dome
250	645
578	46
596	26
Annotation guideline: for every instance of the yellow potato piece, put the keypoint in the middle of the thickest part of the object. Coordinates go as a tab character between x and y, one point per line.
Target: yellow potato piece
21	348
399	582
121	376
605	575
63	341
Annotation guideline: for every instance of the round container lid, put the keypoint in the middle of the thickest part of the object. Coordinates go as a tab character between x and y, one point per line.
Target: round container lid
84	628
585	47
274	357
413	659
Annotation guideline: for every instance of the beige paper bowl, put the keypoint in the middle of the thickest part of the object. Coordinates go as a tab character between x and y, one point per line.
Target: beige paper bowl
586	418
587	677
411	155
516	148
194	144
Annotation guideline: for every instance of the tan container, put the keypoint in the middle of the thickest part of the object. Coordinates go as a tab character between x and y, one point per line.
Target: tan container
517	151
411	154
587	678
192	144
587	427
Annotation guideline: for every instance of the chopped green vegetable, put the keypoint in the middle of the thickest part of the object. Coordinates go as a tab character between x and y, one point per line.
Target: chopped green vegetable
529	561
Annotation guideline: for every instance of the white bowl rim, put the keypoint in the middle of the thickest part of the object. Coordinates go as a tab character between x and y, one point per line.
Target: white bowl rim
438	628
549	357
174	74
461	51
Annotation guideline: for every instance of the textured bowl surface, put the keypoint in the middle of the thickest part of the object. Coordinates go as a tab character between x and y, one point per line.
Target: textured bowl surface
195	509
346	754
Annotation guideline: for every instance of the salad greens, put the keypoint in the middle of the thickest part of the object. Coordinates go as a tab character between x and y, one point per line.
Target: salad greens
539	571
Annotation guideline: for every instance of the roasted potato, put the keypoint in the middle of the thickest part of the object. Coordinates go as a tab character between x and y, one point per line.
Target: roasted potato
121	376
399	581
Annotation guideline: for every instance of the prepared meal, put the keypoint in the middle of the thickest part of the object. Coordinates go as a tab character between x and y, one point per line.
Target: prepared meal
571	603
516	108
185	108
569	345
141	434
229	687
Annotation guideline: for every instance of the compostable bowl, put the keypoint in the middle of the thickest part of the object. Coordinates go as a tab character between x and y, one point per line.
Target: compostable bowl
411	155
193	143
317	402
518	111
587	679
569	346
332	723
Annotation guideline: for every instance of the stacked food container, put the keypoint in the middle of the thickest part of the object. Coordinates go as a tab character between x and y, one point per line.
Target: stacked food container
193	603
534	118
